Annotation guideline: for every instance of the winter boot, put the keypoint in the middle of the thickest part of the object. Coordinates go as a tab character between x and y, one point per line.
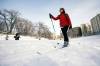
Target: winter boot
65	44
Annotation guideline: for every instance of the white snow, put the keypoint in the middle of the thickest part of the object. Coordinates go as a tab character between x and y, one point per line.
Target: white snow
84	51
11	37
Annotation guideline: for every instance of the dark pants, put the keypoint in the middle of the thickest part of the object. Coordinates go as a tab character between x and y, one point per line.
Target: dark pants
64	32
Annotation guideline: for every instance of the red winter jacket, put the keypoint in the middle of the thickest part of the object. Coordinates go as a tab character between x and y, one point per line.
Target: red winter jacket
64	20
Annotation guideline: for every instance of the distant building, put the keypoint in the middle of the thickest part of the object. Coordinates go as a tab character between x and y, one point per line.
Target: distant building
95	23
86	29
75	32
89	29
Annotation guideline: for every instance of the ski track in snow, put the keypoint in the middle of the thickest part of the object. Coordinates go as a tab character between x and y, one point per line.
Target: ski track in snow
84	51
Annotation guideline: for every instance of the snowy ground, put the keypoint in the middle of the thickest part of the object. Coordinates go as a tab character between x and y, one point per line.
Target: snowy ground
11	37
83	51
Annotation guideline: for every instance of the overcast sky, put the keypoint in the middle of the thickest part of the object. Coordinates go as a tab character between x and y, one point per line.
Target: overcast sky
80	11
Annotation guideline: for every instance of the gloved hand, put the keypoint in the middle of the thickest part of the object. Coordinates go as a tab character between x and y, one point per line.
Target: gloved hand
70	27
50	15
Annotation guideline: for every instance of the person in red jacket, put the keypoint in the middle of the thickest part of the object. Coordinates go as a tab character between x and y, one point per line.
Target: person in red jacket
65	24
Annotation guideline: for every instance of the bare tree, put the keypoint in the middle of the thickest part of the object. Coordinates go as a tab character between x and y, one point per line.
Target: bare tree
12	17
42	31
3	19
9	17
24	26
9	20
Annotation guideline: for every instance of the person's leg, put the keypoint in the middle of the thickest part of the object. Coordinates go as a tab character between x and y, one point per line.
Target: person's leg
64	32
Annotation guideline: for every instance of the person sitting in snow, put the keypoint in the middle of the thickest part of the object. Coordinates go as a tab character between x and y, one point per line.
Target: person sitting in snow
65	24
17	36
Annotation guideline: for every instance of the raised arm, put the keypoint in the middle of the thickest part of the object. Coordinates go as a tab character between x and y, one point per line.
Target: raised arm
55	18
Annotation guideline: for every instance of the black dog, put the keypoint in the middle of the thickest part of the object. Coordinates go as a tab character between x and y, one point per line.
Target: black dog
17	36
